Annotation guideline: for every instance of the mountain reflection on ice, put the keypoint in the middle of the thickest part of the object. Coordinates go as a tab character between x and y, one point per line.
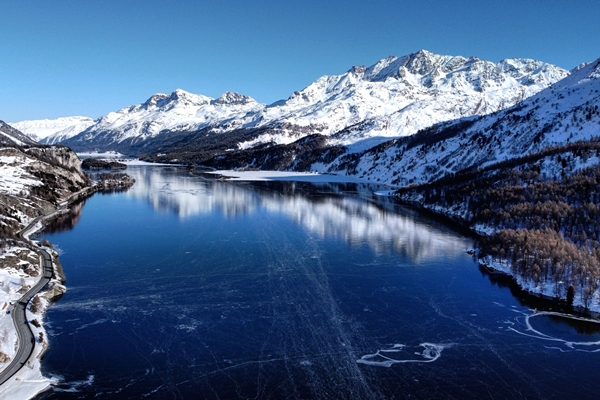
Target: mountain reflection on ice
330	215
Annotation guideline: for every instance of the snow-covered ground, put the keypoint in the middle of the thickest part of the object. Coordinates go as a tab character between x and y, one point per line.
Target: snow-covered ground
14	177
27	383
21	270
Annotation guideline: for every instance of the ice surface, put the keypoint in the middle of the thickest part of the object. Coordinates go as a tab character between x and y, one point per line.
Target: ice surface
271	289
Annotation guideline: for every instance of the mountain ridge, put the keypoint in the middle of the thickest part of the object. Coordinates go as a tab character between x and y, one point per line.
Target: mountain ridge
10	136
563	113
397	96
51	131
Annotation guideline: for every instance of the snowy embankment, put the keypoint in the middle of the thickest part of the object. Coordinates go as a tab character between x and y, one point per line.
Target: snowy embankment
527	285
459	213
20	270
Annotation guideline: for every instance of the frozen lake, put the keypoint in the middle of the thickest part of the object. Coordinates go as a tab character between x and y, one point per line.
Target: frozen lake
183	288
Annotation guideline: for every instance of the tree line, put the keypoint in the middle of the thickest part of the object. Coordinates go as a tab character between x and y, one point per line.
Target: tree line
544	213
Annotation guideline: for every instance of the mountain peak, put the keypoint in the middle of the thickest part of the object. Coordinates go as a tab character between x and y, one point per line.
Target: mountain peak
424	54
233	98
178	96
430	70
421	62
155	99
187	97
357	69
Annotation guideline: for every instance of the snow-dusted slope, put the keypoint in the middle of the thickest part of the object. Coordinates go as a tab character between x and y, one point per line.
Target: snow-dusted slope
566	112
395	97
11	136
179	111
51	131
400	95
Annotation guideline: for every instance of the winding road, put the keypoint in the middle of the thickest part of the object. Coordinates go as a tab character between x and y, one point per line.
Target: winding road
24	333
26	340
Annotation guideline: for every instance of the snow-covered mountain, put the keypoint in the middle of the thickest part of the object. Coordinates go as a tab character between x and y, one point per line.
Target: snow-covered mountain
51	131
395	97
400	95
13	137
564	113
179	111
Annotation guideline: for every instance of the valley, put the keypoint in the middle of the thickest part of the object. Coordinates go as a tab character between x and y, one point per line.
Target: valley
446	131
509	151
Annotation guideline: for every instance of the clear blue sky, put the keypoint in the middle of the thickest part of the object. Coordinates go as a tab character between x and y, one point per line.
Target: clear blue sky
80	57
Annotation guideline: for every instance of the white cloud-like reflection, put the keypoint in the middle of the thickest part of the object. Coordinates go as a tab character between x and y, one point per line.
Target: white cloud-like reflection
352	218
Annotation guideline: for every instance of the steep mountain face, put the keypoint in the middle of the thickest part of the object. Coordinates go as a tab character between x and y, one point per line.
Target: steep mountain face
33	179
526	178
13	137
564	113
127	129
395	97
51	131
400	95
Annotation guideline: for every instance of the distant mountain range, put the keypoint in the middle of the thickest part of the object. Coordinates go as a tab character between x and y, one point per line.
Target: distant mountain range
563	113
396	97
51	131
404	120
510	150
566	112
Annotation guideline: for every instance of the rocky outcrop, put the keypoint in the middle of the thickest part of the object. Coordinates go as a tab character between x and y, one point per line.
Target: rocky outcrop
55	291
34	180
98	164
113	182
234	98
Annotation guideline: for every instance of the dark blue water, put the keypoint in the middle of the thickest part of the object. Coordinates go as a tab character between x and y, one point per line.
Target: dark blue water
183	288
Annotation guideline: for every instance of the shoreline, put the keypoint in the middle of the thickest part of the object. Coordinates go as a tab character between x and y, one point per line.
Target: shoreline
576	308
459	224
495	268
261	175
28	381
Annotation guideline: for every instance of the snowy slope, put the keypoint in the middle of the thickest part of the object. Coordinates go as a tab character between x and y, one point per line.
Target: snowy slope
179	111
11	136
400	95
395	97
50	131
566	112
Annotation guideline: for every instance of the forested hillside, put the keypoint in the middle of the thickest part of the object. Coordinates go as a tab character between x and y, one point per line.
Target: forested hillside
539	216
